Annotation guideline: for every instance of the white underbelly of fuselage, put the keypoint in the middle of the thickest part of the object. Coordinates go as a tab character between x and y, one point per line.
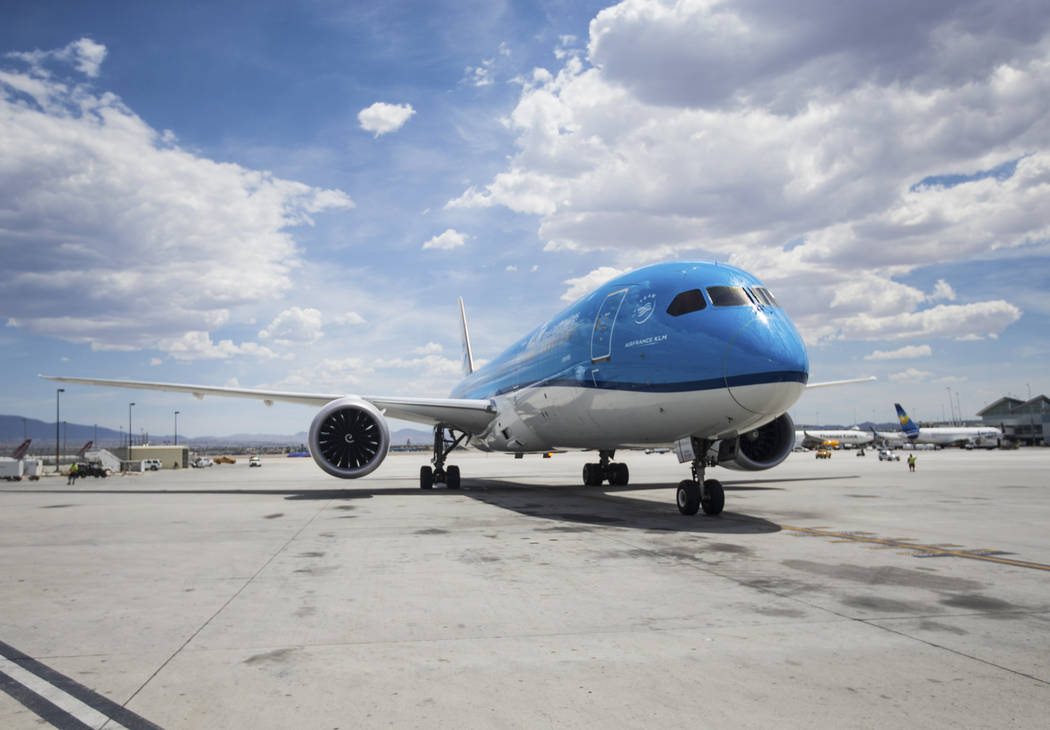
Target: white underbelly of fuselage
569	417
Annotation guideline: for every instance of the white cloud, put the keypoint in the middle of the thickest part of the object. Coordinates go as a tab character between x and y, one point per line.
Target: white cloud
294	326
582	285
903	353
431	348
944	320
447	240
199	346
91	193
942	290
85	54
728	130
155	361
911	375
328	374
429	365
351	318
383	118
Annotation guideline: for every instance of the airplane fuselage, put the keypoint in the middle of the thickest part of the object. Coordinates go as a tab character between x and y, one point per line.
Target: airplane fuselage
662	353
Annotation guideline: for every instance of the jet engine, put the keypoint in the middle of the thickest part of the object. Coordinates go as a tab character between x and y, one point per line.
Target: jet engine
349	438
763	448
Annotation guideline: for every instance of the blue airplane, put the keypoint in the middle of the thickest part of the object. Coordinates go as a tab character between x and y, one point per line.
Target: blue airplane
695	355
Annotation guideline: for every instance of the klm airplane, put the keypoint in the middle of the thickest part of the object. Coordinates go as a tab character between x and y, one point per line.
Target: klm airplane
695	355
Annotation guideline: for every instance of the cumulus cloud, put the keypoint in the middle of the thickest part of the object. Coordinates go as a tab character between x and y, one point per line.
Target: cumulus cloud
582	285
90	193
85	54
351	318
328	374
431	348
911	375
199	346
431	365
383	118
294	326
447	240
830	150
902	353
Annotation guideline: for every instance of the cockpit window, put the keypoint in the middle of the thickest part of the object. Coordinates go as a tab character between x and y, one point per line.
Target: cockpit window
728	296
764	296
687	301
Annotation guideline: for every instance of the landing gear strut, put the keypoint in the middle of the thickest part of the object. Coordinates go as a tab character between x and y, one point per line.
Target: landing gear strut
697	492
616	474
443	445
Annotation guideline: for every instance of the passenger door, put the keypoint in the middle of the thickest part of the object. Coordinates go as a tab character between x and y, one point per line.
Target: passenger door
604	323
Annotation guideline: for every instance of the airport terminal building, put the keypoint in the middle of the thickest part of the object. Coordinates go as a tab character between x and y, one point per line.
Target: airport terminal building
1025	421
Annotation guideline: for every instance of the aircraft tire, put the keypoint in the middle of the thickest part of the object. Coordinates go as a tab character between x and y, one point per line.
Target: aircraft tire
716	497
452	477
619	475
688	497
426	477
592	475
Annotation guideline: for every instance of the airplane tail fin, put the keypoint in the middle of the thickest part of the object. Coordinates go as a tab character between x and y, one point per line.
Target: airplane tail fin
22	450
84	448
907	425
468	354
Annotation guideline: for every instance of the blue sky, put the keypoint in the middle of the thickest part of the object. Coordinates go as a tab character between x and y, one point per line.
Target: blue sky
292	195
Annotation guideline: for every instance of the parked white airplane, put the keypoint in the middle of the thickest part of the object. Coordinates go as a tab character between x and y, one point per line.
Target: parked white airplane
948	435
697	355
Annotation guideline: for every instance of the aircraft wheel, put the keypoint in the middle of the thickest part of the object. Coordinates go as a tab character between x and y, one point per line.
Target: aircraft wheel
592	475
716	497
452	477
688	497
619	475
426	477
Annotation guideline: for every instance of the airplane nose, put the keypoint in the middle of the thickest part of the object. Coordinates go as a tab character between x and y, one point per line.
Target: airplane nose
766	366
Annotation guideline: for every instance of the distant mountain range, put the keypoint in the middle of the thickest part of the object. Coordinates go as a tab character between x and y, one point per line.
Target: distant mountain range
76	434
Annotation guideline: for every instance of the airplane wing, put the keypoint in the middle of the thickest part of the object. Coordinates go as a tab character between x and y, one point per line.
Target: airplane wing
829	383
464	414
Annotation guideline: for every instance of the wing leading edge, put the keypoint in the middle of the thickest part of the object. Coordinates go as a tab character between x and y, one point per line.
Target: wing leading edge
464	414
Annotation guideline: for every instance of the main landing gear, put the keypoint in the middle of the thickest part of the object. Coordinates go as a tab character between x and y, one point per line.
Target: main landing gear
439	473
616	474
697	493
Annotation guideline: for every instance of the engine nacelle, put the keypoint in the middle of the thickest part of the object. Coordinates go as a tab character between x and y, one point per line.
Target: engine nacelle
763	448
349	438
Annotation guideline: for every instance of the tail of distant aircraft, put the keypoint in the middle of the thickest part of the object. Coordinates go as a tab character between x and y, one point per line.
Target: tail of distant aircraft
907	425
468	354
22	450
84	448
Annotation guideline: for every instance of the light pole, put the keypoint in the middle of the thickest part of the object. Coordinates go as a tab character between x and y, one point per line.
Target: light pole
57	400
176	428
1031	413
129	431
24	437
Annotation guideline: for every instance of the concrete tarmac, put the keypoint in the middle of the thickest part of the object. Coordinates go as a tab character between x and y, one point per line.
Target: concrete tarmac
845	593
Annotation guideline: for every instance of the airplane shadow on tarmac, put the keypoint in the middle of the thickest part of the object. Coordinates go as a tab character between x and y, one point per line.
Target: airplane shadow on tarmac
590	506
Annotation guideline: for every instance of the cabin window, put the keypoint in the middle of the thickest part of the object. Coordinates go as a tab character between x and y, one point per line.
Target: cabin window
764	296
686	302
728	296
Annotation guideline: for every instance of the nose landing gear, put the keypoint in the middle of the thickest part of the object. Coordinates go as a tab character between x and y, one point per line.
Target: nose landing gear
696	493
